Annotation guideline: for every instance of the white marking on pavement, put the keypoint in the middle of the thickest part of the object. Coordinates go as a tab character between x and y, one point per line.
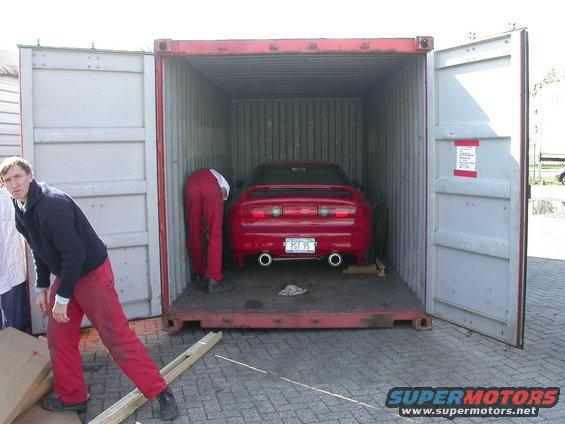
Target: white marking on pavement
298	383
241	363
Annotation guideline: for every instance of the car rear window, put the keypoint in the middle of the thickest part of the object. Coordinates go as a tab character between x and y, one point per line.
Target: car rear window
300	174
300	192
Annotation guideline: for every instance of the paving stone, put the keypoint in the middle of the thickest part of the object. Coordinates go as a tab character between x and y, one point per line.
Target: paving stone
358	364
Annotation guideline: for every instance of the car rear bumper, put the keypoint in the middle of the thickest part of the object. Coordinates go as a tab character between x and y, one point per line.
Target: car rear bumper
245	243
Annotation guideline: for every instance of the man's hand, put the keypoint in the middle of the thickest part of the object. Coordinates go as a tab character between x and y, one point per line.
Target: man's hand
60	313
42	302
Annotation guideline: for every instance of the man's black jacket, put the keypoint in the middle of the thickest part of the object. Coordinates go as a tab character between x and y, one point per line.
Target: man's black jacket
61	238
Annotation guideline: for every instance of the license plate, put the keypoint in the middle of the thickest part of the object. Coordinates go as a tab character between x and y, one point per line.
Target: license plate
300	245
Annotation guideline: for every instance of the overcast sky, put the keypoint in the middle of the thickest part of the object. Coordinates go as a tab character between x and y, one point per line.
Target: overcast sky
133	25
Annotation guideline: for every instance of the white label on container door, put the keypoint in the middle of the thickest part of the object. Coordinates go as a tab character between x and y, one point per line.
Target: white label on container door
466	158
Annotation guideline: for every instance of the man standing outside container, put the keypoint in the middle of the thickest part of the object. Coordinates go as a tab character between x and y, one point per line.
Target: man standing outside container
205	193
14	296
64	243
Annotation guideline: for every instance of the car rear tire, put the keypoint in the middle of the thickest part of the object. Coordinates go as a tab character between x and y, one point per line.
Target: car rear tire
562	178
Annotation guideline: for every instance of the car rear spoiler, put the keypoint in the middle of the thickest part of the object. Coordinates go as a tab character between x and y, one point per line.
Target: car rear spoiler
352	190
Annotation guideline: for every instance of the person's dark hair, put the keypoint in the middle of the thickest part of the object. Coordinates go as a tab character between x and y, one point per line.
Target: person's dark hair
13	161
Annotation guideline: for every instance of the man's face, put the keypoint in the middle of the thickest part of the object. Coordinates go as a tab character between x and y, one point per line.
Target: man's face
17	182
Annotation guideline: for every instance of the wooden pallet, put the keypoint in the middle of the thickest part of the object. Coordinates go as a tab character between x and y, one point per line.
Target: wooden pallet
376	268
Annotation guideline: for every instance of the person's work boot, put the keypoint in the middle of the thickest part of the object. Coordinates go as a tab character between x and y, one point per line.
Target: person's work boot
168	408
197	278
54	404
199	281
218	286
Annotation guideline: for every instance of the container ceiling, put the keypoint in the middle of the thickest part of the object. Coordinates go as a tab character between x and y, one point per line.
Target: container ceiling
294	75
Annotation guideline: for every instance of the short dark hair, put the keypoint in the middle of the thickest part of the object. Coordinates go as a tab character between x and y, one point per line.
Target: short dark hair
13	161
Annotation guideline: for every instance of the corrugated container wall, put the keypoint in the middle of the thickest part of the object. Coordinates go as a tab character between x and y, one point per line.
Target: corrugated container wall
320	129
395	164
196	122
9	106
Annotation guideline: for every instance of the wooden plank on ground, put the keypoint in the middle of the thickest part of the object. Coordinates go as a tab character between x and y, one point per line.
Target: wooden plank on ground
132	401
380	267
24	363
361	269
36	414
376	268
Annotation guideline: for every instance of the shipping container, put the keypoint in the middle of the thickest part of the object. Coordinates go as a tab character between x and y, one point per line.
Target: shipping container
436	139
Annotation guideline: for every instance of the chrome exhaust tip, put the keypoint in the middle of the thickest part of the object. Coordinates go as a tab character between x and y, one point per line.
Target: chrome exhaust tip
335	260
265	260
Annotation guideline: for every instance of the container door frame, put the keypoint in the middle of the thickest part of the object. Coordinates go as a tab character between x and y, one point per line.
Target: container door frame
500	317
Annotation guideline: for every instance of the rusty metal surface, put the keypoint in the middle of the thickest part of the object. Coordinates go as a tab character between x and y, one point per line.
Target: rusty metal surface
286	46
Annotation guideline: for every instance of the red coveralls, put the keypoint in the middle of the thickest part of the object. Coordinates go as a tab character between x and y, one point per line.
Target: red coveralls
204	205
95	296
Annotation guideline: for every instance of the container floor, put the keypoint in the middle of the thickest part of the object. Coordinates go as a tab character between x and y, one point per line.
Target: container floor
330	293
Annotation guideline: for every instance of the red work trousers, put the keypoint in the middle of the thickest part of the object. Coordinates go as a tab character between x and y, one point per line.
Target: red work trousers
204	206
96	297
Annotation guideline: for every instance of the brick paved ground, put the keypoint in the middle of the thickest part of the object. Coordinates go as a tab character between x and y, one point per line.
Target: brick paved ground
358	364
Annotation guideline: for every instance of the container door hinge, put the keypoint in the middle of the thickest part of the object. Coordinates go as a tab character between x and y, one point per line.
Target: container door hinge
424	43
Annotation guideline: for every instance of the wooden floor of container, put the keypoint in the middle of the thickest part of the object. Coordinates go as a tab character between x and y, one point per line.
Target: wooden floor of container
329	290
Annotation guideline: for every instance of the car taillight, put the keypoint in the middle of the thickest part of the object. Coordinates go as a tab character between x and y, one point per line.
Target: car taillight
337	211
266	211
258	214
343	214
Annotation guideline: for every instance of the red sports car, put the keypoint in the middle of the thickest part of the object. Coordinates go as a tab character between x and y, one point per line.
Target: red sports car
299	210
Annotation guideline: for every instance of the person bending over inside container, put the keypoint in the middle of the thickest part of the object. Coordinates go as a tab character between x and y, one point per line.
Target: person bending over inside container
205	193
64	243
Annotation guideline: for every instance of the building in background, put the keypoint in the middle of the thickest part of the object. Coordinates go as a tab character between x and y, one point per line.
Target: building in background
9	104
14	291
547	126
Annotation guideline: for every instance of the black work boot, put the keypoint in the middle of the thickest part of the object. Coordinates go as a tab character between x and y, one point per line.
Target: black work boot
197	278
168	408
218	286
54	404
199	282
